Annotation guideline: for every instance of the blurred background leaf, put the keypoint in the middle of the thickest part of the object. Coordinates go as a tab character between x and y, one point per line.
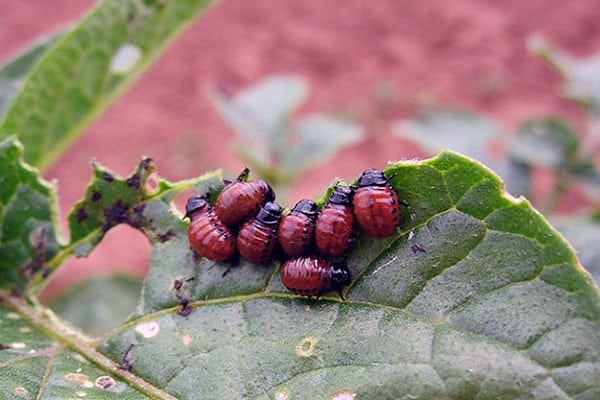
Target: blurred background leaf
581	75
584	234
14	71
275	142
461	131
319	137
79	75
469	134
545	142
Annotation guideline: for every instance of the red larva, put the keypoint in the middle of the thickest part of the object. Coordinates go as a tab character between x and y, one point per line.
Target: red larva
297	228
207	234
240	200
335	229
311	276
376	205
257	238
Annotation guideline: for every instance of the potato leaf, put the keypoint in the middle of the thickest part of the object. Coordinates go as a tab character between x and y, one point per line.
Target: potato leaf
28	236
476	296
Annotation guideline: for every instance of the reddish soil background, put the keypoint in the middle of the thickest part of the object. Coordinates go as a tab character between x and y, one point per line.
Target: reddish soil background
377	61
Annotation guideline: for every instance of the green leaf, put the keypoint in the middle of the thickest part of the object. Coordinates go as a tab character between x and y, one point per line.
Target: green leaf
13	72
87	68
476	296
99	304
259	114
109	200
469	134
491	300
545	142
27	218
36	366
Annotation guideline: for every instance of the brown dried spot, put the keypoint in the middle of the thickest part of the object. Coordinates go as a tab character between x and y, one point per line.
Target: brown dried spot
73	377
179	282
105	382
37	240
4	346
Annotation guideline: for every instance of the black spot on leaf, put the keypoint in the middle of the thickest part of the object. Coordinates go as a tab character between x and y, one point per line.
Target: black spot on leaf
417	249
81	215
108	177
116	214
134	181
168	235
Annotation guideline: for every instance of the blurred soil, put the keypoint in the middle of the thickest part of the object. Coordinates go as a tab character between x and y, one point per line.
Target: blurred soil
372	61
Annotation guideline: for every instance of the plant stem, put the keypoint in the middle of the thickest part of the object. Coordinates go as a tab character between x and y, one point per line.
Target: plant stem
45	320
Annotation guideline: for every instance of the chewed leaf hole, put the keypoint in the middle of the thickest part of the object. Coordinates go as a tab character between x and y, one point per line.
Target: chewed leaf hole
148	329
343	395
20	391
282	395
125	58
306	347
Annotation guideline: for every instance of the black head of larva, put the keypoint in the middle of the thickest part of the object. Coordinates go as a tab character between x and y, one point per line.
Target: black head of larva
306	207
269	214
372	177
195	203
342	195
340	275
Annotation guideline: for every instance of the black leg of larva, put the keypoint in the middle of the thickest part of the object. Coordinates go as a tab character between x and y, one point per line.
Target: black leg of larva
234	261
126	363
226	272
404	203
195	255
243	176
339	290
